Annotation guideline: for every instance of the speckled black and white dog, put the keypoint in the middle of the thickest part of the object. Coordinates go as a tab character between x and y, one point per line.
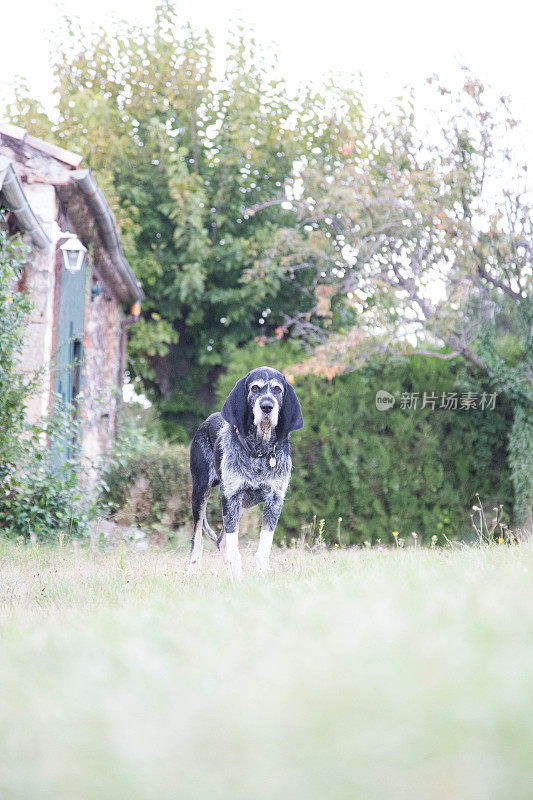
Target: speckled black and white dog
245	448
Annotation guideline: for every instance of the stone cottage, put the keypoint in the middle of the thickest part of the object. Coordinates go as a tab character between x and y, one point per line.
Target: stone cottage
83	291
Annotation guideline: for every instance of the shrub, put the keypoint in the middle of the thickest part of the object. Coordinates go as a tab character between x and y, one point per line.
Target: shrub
398	470
40	498
147	482
14	387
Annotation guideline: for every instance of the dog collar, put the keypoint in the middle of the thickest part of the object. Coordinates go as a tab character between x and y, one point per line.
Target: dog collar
271	456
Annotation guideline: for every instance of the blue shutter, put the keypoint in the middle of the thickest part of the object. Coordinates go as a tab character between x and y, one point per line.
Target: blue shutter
69	351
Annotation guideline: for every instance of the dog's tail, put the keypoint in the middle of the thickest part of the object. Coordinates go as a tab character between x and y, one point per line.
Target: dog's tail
209	530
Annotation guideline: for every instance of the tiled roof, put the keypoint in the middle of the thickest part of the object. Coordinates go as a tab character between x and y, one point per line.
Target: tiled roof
66	156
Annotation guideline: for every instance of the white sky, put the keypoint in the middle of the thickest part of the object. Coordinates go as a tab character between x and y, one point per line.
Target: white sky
392	43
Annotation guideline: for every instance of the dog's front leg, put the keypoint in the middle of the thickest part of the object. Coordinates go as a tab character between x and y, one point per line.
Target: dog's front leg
271	511
231	507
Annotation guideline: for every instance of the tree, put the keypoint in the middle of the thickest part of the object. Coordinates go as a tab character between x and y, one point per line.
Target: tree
196	166
433	244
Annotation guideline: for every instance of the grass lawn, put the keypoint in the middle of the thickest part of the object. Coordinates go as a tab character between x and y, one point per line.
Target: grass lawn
354	674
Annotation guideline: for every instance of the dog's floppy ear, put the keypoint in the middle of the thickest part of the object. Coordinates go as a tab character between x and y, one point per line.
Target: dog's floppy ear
290	416
235	408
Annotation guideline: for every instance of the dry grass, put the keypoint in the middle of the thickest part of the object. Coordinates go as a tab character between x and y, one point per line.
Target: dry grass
361	674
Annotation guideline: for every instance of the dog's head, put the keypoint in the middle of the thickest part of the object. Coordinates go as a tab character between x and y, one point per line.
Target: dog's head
265	400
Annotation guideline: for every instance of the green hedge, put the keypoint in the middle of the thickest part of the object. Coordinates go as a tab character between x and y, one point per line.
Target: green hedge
149	485
396	470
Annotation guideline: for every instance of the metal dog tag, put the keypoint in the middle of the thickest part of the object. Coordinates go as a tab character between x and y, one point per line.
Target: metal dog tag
272	461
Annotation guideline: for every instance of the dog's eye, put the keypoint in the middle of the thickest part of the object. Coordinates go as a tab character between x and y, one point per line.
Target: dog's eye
276	389
255	388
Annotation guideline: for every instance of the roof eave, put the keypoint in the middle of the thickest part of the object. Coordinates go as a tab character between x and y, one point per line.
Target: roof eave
73	160
16	201
85	181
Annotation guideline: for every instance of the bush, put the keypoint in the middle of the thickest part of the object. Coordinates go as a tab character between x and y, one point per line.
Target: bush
14	388
396	470
147	482
40	498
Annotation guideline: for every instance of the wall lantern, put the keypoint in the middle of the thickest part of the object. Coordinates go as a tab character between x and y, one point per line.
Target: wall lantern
73	253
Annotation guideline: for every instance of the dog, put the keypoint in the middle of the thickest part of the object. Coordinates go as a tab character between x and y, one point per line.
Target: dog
245	450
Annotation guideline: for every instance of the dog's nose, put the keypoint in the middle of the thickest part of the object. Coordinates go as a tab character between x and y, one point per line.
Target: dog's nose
266	406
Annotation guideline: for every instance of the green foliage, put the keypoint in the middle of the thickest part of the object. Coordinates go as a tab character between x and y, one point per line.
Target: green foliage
147	482
44	493
148	339
14	386
506	350
402	470
243	359
521	463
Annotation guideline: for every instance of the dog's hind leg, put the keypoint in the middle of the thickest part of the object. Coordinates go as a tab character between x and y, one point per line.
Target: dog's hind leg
199	503
201	468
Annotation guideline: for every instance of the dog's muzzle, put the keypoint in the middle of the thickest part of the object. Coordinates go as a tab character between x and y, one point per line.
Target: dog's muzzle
266	411
266	405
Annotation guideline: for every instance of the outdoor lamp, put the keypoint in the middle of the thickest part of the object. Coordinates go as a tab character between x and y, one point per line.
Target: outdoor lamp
73	253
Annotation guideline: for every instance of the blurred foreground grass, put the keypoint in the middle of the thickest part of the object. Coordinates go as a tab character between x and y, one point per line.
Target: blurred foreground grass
358	674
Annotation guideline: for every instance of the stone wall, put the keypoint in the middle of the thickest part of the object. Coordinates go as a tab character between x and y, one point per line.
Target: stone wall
102	370
39	280
102	379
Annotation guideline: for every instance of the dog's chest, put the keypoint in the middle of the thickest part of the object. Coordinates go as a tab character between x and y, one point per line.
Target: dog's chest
259	471
254	474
